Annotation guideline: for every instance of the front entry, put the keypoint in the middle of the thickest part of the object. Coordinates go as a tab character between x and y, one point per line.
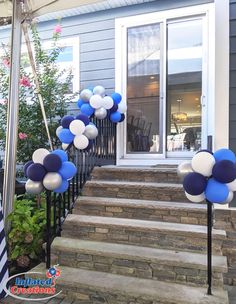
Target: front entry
164	76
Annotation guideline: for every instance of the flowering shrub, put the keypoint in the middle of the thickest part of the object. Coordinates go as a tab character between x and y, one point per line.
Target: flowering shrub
32	133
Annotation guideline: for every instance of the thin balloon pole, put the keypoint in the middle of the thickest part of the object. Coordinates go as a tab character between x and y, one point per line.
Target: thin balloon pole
209	247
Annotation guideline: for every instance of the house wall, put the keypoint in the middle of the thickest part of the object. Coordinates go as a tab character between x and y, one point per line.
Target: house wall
232	92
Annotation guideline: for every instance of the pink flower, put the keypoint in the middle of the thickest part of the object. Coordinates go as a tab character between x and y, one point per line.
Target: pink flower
25	81
6	62
57	29
22	136
3	102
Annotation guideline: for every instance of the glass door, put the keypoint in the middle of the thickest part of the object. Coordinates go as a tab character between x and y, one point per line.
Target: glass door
184	86
144	127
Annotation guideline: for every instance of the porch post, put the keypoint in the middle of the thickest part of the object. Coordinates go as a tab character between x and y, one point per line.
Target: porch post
13	111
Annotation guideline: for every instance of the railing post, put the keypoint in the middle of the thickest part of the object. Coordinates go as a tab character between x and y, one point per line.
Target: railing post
209	233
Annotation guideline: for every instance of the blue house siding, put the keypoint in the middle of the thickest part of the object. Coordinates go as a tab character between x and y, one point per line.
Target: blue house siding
232	92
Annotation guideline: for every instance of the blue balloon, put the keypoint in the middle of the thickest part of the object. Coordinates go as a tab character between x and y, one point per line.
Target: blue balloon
80	102
36	172
66	120
52	271
194	183
224	171
216	192
68	170
86	109
224	154
115	117
52	162
63	188
62	154
83	118
116	97
66	136
26	166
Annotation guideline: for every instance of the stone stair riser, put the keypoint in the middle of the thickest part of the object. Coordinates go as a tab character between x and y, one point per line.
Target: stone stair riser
145	193
135	268
174	216
164	176
156	239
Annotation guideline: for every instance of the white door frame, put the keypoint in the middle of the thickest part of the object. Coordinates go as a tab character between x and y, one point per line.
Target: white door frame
214	82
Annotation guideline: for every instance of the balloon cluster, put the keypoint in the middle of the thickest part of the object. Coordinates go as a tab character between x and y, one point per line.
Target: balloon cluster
210	176
48	170
53	272
96	102
78	130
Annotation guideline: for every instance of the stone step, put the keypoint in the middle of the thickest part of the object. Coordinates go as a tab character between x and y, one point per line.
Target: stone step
136	174
93	287
143	262
143	233
186	213
135	190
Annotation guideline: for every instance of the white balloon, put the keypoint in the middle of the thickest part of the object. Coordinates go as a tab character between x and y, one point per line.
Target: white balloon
81	142
100	113
195	198
77	127
107	102
96	101
39	155
58	130
91	131
52	180
99	90
232	185
229	198
32	187
86	94
122	107
64	146
203	163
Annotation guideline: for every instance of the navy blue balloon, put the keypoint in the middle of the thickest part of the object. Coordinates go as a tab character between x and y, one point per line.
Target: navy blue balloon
84	119
80	102
62	154
68	170
52	162
194	183
86	109
122	117
115	117
36	172
216	192
114	108
224	171
66	136
205	150
66	120
63	188
26	166
116	97
224	154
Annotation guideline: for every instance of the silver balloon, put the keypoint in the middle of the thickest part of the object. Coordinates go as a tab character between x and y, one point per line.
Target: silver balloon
58	130
101	113
99	90
91	131
86	94
32	187
52	181
183	169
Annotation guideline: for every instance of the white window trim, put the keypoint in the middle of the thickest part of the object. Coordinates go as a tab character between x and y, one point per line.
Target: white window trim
218	72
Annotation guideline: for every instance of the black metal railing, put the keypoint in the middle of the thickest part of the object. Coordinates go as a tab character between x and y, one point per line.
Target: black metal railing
102	153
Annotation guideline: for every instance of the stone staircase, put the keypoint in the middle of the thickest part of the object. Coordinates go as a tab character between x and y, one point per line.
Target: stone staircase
134	239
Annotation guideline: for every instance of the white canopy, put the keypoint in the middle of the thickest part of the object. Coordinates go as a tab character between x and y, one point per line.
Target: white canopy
41	7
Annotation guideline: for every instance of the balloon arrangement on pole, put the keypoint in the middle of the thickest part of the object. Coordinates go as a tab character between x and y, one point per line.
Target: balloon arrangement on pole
77	130
48	170
210	176
96	102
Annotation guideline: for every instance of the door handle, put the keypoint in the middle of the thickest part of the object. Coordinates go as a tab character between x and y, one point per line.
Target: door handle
203	101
